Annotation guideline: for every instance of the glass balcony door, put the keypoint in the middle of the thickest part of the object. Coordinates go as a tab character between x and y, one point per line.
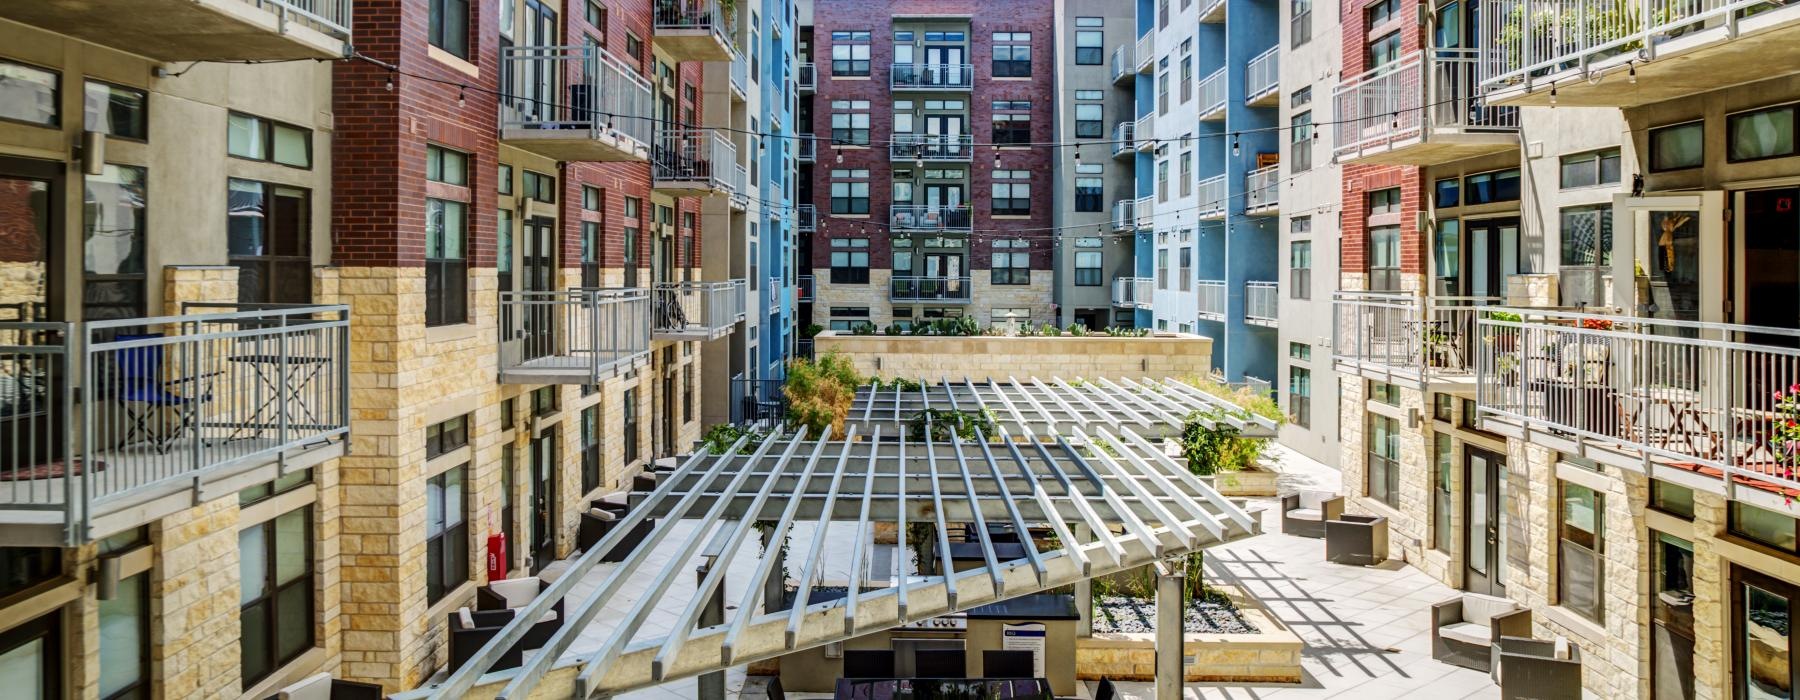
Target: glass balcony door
1484	483
537	273
944	65
537	85
1768	241
1493	255
30	204
944	132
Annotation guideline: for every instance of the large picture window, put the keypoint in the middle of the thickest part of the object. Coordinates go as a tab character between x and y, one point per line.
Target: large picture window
1759	134
446	532
1384	460
1581	548
113	250
850	54
275	593
269	233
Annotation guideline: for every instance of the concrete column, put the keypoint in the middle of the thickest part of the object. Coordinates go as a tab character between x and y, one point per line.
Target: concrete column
710	686
1170	581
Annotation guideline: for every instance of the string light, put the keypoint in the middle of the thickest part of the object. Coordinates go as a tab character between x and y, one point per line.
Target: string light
1553	94
1631	72
390	83
1234	144
459	97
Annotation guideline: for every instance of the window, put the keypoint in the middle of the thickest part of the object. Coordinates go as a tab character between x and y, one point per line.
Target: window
1581	546
1300	23
1382	11
1384	258
1012	261
634	48
447	436
116	111
255	138
630	423
849	197
1447	193
270	489
590	448
1162	268
449	28
113	246
1187	70
1384	50
1300	270
1012	122
1012	192
1187	174
545	401
590	254
1443	407
1489	188
125	628
1671	594
1383	392
1186	270
1090	48
1677	146
1764	133
275	593
1300	225
1090	22
1162	180
846	318
849	54
1089	189
1300	144
1300	396
269	234
538	186
1590	169
446	271
1012	54
1674	499
1090	121
596	18
33	95
687	394
1587	235
1763	526
850	261
1384	459
850	122
1384	201
1092	95
1088	268
503	179
1443	453
446	533
1162	86
1300	351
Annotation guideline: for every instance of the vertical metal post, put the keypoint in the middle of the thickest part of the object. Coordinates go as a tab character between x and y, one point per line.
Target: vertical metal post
1084	590
1171	580
710	686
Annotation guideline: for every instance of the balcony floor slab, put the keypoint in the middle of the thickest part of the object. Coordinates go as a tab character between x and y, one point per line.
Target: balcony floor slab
1441	146
577	145
697	44
179	30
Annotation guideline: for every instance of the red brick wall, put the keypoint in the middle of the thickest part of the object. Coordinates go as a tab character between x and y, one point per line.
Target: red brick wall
1359	180
878	18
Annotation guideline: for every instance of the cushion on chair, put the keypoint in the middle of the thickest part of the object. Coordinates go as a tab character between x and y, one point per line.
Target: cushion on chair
1314	500
314	687
598	514
1305	514
1482	609
518	592
1561	650
466	618
1591	359
1467	633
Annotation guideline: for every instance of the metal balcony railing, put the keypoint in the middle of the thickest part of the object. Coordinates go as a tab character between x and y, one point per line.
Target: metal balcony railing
806	218
773	294
1212	95
1124	215
1262	190
581	90
1395	334
937	289
1133	292
1709	394
693	158
697	310
1145	51
1528	39
1145	209
1124	139
1407	99
931	148
740	72
806	147
1213	11
1262	303
98	417
739	186
694	15
1143	131
1211	196
573	336
806	77
1211	302
931	76
757	400
329	17
1262	75
804	289
803	348
1124	67
930	217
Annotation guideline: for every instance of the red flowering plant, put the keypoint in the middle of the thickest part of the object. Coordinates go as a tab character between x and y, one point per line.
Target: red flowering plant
1784	432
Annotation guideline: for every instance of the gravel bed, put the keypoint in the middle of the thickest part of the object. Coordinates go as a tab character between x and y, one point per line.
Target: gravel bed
1122	614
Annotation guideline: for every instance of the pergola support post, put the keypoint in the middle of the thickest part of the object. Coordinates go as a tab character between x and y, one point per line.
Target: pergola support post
1171	580
1084	592
710	686
775	585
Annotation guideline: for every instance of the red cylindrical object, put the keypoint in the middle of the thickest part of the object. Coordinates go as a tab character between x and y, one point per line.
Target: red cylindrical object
496	557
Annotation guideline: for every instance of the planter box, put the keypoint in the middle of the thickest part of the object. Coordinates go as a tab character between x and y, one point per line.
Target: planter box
1271	655
1256	481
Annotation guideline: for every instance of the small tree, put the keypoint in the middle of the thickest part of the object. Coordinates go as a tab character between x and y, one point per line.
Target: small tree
820	393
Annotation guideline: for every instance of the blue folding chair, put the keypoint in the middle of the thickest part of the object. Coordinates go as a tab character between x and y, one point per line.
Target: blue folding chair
138	384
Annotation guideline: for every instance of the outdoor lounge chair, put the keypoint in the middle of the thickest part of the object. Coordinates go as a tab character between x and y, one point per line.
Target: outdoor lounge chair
1537	669
323	687
470	629
1356	540
1305	513
1465	629
516	593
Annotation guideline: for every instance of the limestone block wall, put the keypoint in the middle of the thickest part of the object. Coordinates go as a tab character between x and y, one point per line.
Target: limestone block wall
1409	520
998	357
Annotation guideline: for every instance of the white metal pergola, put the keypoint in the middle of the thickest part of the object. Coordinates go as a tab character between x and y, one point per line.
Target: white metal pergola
1103	487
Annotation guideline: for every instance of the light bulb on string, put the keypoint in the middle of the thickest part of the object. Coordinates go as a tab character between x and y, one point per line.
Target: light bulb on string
1235	151
1552	94
459	96
390	83
1631	72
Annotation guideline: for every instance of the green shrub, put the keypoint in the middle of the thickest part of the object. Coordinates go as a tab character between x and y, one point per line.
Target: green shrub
819	393
721	437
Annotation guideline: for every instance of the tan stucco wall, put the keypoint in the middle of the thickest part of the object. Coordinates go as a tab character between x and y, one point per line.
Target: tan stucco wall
999	357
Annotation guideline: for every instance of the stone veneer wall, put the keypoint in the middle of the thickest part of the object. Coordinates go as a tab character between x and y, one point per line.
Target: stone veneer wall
998	357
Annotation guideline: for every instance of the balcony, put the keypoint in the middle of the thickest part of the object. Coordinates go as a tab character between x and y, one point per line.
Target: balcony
112	424
690	162
565	101
1420	111
1212	12
1145	51
1262	191
1394	337
1210	202
931	76
574	336
1143	132
931	148
944	290
804	289
930	217
198	30
1124	215
806	218
697	310
773	294
1675	49
740	77
1212	96
1262	79
806	78
1133	292
1124	67
1635	392
1124	140
806	148
1145	209
694	30
739	187
1262	303
1210	299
